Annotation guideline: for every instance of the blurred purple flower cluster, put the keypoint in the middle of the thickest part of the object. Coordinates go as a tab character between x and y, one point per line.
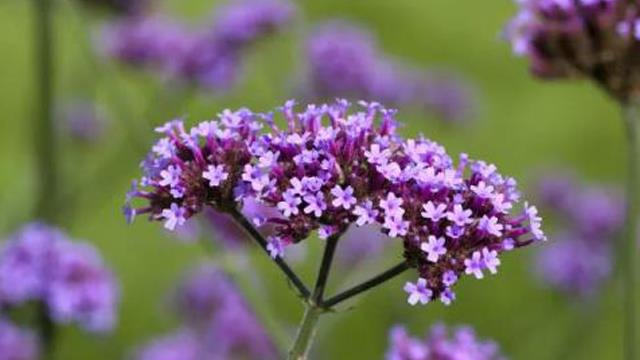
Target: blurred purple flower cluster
463	345
40	263
597	39
82	120
17	343
208	56
580	257
345	61
330	168
218	323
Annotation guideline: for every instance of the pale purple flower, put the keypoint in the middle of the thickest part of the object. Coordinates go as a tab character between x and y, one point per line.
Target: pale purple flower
490	225
474	265
392	206
275	246
449	278
170	176
174	216
396	225
434	247
377	156
434	212
366	213
491	260
215	174
289	204
418	292
316	204
343	197
483	190
459	215
447	297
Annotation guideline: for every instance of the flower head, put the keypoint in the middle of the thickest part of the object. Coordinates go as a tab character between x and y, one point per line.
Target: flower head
40	263
17	343
463	344
346	61
580	258
596	39
209	56
442	212
214	312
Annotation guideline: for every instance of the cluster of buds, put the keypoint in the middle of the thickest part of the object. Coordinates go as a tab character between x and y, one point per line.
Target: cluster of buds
329	168
209	57
596	39
40	263
439	346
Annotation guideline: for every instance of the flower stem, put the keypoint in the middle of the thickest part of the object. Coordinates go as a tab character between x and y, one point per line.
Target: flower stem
629	251
303	291
45	145
306	332
325	267
371	283
44	134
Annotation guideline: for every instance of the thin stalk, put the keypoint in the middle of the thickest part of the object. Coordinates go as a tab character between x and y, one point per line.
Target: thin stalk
325	267
306	332
44	132
45	143
302	289
629	251
371	283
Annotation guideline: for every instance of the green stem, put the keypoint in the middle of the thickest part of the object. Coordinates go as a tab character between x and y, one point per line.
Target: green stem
367	285
45	143
306	332
44	132
301	288
629	250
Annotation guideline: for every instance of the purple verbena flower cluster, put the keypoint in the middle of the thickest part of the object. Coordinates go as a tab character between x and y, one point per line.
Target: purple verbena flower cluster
439	346
40	263
82	120
329	168
208	57
17	343
591	38
580	258
219	324
345	61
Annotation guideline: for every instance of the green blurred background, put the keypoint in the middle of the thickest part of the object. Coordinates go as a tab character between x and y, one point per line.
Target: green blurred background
522	126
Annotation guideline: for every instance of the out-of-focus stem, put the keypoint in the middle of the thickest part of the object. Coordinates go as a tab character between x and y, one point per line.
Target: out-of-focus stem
628	252
44	132
44	143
